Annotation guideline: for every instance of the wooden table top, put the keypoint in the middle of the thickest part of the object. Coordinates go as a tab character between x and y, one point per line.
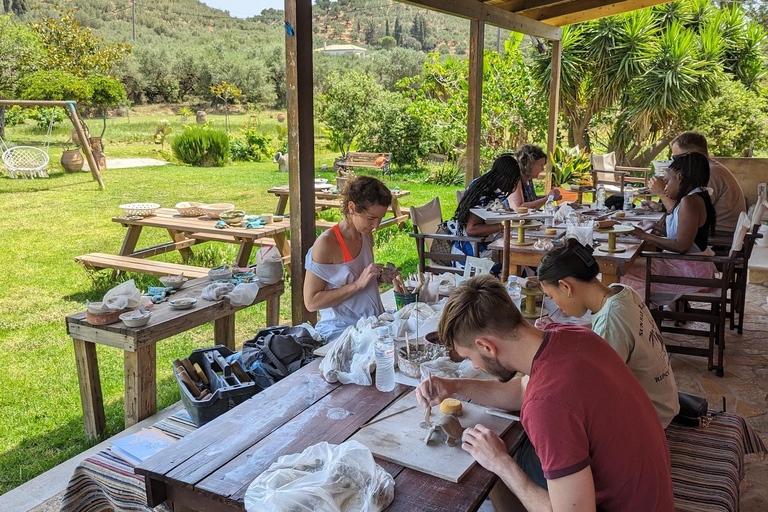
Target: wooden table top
169	218
283	190
165	320
211	468
633	248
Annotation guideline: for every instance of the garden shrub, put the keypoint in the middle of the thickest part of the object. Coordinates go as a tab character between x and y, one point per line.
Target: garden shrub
251	146
15	115
201	147
42	116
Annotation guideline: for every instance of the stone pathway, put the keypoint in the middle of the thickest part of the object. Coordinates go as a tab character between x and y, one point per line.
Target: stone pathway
124	163
744	386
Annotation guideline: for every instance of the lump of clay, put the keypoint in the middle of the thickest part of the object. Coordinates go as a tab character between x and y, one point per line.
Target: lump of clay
450	426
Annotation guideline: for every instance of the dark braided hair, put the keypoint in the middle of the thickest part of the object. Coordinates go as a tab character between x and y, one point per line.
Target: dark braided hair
693	169
503	177
571	260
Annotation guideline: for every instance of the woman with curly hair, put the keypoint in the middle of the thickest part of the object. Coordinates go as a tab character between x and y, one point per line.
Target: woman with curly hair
531	160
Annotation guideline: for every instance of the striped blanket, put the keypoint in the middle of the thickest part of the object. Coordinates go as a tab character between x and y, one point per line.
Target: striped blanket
107	482
707	467
708	463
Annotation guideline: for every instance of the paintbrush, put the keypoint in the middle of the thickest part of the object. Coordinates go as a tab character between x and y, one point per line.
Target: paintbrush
388	416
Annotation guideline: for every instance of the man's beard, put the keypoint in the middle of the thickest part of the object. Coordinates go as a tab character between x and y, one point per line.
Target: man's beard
495	368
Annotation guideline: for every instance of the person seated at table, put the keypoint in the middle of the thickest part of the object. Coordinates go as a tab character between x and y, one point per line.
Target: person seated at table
569	276
497	183
590	421
531	160
342	280
685	229
724	189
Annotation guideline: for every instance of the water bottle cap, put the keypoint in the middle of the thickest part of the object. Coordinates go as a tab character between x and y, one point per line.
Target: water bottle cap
382	331
512	279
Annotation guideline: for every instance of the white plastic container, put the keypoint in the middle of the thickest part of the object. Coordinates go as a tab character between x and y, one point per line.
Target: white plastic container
515	291
385	360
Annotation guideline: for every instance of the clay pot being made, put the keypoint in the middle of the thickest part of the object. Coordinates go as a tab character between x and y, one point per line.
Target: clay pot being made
72	160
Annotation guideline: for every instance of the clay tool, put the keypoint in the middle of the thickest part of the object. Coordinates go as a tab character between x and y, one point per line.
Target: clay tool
389	416
407	345
500	414
542	310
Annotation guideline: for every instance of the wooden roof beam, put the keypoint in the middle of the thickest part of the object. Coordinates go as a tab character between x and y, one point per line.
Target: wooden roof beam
473	10
517	6
585	10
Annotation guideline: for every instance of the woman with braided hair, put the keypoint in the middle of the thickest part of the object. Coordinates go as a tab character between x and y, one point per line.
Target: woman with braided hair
498	183
685	230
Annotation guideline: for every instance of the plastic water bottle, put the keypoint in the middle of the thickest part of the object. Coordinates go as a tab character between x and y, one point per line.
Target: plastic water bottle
385	360
629	200
550	208
600	197
514	291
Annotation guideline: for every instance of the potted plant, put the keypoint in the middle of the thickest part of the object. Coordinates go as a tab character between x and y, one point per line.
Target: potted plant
570	167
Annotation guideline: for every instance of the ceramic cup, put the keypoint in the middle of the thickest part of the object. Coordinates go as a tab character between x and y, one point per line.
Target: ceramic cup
268	217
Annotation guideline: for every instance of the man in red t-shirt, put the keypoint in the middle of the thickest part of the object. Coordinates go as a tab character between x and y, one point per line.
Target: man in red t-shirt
591	423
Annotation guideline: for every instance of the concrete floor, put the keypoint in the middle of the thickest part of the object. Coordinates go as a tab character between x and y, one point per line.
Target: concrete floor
745	387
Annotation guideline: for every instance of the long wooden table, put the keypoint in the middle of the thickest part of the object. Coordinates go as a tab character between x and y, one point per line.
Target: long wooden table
139	348
188	231
327	199
211	468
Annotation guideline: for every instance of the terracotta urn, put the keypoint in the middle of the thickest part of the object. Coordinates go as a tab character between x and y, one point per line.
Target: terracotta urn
74	137
72	160
96	143
101	159
201	117
280	117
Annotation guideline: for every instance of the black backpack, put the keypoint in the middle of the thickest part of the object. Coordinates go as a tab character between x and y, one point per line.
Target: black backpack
276	352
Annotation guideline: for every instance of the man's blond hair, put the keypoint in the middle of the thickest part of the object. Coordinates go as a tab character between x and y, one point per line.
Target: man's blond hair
478	306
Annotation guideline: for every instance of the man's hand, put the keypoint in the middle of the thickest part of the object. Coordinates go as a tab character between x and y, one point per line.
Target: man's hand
486	447
441	389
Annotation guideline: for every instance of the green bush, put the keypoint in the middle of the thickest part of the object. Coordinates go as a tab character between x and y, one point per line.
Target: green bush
42	116
250	146
15	115
201	147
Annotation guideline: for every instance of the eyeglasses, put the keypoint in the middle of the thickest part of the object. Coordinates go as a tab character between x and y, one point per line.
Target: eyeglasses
675	158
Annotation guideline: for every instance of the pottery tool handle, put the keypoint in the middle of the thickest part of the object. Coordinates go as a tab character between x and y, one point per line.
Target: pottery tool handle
504	415
388	416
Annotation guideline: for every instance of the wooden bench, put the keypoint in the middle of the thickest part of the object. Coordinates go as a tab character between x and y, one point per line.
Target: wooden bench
100	261
360	159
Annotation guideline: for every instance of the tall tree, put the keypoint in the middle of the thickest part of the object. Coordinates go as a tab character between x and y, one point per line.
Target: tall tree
386	27
398	32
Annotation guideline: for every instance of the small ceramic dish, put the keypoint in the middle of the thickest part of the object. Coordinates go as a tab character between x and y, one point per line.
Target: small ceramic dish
136	318
232	217
182	303
216	209
218	273
175	282
139	209
190	209
245	277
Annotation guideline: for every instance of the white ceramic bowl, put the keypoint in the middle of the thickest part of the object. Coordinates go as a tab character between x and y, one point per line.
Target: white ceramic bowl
183	303
216	209
217	274
131	320
189	209
139	209
174	282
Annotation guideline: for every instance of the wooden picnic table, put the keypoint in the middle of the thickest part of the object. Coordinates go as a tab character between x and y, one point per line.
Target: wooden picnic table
188	231
139	347
211	468
327	199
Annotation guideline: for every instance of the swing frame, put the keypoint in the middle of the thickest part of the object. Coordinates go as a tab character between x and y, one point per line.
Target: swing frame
70	107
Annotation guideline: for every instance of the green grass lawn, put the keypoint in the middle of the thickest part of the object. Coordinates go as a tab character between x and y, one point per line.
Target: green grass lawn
48	222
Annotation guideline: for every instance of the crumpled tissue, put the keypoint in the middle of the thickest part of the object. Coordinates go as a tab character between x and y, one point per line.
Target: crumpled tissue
217	291
123	296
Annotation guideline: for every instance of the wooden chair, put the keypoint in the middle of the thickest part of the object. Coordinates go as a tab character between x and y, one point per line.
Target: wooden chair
738	294
460	195
615	177
475	267
425	220
710	308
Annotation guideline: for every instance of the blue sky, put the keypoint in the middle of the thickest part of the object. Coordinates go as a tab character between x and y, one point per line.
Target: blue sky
245	8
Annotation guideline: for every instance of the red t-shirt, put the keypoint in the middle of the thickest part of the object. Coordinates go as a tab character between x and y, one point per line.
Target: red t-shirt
583	407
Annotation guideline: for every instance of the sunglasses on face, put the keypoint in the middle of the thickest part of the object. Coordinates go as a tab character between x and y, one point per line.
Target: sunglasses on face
675	158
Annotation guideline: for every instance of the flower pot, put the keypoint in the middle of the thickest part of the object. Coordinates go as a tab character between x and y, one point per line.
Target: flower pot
568	195
72	160
74	137
96	143
280	117
101	159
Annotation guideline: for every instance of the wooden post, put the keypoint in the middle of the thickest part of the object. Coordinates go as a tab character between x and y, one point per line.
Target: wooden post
475	103
554	106
86	146
301	140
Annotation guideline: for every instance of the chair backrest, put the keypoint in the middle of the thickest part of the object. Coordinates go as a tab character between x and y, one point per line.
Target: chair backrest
757	214
460	195
742	226
606	162
426	219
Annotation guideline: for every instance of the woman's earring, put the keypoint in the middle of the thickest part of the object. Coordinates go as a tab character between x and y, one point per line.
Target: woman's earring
569	294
